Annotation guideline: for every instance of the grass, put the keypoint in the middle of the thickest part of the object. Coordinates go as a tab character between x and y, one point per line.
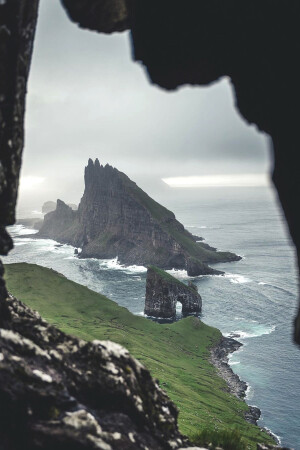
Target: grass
177	354
228	440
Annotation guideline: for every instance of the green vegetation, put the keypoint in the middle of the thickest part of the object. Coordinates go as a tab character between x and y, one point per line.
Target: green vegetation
177	354
166	276
227	439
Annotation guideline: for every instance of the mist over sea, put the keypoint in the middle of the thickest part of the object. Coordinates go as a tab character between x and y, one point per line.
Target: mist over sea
255	300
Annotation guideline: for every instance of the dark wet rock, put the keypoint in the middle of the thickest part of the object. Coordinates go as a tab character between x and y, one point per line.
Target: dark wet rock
195	267
237	387
253	415
105	16
60	392
219	357
271	447
164	291
116	218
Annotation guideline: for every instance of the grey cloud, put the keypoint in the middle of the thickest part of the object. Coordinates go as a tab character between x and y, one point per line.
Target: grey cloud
88	99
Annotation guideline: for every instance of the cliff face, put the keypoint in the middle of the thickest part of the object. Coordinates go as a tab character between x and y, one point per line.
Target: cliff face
116	218
163	292
57	221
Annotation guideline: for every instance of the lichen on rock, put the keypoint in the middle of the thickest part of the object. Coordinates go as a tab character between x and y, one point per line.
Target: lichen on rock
60	392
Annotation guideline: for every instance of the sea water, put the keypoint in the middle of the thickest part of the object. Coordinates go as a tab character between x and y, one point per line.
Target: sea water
256	299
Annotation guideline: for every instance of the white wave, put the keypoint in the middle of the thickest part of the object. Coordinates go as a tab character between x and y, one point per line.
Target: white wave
249	392
234	363
141	314
237	278
134	269
21	230
273	434
180	274
113	264
279	288
257	331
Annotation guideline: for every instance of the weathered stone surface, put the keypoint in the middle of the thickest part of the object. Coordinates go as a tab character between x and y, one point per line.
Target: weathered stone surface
64	393
17	28
116	218
105	16
164	291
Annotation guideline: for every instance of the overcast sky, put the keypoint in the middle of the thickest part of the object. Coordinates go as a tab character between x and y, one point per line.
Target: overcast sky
87	98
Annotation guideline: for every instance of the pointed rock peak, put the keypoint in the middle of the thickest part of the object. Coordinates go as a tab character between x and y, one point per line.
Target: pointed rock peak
90	163
61	205
97	163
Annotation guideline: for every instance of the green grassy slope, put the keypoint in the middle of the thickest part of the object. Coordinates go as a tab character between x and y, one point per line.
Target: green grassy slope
176	354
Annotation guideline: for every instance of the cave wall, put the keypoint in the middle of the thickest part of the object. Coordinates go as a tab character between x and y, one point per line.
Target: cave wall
17	28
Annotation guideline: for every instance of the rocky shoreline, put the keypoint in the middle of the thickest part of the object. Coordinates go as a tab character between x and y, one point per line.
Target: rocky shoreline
236	386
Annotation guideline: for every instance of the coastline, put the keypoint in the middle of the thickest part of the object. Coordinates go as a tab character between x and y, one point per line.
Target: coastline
219	358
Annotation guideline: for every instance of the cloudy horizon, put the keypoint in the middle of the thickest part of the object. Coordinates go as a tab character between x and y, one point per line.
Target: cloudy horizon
87	99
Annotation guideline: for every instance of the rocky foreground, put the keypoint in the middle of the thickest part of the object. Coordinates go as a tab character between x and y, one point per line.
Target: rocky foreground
59	392
116	218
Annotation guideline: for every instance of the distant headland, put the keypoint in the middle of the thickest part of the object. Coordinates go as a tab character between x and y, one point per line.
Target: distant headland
117	218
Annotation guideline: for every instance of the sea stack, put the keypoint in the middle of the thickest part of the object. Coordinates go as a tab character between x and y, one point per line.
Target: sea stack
163	291
116	218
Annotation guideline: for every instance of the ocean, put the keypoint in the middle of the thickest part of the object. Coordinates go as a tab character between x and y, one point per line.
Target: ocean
255	300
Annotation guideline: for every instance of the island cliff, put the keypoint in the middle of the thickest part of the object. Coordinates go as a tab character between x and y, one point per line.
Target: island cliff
163	292
116	218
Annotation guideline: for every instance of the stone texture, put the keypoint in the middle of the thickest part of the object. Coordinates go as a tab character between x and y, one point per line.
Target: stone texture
17	28
116	218
60	392
105	16
164	291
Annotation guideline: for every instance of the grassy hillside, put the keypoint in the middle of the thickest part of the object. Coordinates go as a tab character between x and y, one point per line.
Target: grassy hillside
176	354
